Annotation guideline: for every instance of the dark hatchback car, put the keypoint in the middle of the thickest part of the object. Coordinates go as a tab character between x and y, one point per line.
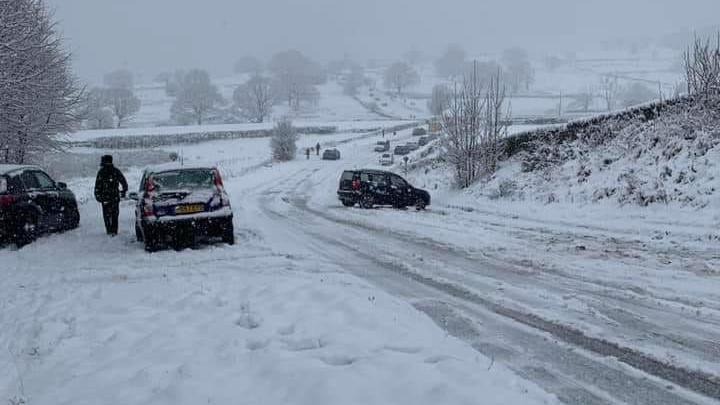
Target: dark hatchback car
32	203
182	205
376	187
331	154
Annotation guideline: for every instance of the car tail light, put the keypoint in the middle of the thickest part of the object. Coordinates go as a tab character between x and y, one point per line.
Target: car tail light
147	200
6	200
356	184
149	185
217	179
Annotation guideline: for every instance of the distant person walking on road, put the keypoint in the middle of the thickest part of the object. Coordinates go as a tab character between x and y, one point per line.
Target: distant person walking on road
107	192
317	149
307	153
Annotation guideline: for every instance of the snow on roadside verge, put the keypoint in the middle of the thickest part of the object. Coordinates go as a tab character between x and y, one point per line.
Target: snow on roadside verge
89	319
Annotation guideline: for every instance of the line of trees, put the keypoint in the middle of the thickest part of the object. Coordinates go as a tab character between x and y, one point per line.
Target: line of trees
39	95
290	78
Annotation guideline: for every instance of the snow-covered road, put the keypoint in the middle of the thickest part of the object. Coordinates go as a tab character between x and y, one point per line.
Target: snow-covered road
322	304
88	319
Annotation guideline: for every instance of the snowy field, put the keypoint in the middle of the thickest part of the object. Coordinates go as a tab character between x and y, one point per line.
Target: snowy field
474	301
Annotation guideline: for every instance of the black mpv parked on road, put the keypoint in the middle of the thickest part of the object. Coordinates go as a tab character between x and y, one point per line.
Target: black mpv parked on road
376	187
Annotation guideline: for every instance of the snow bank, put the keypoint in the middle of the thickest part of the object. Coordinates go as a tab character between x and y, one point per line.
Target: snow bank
670	158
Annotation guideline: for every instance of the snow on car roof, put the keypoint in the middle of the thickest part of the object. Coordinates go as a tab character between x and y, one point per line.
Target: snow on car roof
10	168
166	167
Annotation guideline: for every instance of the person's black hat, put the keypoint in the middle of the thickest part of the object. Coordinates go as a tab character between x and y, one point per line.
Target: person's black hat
106	160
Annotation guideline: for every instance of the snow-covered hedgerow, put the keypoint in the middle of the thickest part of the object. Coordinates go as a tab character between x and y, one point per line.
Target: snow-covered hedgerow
671	158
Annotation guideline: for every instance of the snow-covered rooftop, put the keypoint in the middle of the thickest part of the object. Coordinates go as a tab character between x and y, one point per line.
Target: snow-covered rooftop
9	168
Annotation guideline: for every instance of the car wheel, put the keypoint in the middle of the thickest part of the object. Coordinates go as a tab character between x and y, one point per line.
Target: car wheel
73	221
26	231
138	234
348	203
420	204
367	202
151	242
228	234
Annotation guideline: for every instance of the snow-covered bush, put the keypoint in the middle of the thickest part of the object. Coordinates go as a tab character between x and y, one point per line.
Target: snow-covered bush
651	155
284	141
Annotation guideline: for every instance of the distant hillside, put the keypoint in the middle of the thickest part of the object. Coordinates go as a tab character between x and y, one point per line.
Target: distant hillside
666	152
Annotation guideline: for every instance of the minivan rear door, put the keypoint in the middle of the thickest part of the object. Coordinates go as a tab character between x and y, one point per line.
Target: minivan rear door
346	180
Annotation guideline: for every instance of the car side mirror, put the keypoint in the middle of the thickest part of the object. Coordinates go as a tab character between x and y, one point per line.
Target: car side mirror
133	196
61	185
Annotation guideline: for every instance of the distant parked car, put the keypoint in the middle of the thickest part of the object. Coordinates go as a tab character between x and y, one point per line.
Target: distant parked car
423	140
375	187
387	159
419	131
382	146
331	154
180	204
401	150
412	146
32	203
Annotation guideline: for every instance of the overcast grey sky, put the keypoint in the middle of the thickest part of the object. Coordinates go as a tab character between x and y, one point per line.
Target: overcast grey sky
154	35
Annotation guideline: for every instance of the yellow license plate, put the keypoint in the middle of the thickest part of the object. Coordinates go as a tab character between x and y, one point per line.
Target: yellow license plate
189	209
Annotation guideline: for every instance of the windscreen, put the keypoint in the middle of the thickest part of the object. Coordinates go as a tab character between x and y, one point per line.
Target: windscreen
183	179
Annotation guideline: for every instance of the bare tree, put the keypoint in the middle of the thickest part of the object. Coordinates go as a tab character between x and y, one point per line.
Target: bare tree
296	77
439	99
196	98
39	96
702	67
283	143
173	82
519	70
399	76
609	88
119	79
123	103
452	62
98	115
255	98
475	121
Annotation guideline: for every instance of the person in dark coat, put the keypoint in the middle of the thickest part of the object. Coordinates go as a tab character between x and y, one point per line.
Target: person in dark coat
108	182
317	149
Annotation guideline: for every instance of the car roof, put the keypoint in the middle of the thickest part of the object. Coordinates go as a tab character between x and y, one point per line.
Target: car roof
4	168
174	166
370	171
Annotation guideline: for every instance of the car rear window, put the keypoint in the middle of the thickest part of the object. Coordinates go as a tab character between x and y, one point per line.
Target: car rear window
347	175
183	179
